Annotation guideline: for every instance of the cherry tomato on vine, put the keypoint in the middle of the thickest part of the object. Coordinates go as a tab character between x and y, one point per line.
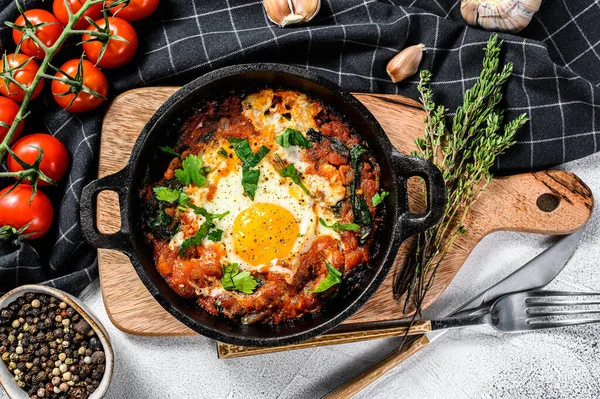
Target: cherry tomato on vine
74	100
23	75
8	111
117	52
55	158
16	211
60	11
48	34
133	10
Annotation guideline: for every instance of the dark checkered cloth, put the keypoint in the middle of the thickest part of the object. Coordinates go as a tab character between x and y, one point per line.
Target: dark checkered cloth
556	81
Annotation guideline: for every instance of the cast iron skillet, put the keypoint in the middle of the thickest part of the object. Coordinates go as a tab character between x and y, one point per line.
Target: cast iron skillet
147	162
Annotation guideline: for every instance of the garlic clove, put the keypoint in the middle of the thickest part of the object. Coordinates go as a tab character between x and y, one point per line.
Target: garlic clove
405	63
499	15
307	8
291	12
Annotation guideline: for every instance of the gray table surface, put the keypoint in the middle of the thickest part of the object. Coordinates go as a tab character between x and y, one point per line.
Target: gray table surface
469	363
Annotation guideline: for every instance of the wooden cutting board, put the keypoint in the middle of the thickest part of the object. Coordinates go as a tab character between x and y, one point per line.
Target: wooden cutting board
523	202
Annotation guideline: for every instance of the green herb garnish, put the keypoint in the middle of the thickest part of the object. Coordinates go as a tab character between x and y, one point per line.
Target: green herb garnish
215	235
337	227
245	154
197	238
249	160
234	280
192	171
292	137
161	220
166	194
168	150
209	216
334	277
291	172
379	197
250	181
223	152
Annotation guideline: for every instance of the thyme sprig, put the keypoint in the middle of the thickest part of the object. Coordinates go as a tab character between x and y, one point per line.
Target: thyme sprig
464	155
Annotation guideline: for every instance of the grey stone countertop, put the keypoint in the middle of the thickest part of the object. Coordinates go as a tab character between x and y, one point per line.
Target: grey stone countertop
468	363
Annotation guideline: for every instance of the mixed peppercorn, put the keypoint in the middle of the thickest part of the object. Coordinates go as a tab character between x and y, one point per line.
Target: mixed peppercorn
52	351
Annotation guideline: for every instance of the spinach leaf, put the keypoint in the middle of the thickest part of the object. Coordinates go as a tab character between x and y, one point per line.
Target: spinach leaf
250	181
292	137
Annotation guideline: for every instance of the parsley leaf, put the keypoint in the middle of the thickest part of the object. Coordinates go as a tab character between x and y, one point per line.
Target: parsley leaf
379	197
192	171
291	172
250	181
334	277
215	235
167	194
168	150
197	238
292	137
234	280
337	227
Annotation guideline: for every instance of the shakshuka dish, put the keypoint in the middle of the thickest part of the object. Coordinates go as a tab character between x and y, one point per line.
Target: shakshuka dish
270	199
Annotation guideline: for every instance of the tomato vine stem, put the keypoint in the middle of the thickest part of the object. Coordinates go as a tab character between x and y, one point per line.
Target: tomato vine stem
50	52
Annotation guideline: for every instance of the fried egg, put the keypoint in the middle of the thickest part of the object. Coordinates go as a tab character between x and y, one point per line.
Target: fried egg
267	233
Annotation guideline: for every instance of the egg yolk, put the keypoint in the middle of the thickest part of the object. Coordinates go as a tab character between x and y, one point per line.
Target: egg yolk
264	232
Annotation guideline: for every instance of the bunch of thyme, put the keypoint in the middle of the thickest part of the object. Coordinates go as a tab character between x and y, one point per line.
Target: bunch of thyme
464	155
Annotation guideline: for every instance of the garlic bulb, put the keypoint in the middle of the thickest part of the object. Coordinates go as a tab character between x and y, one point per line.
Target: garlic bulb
405	63
499	15
291	12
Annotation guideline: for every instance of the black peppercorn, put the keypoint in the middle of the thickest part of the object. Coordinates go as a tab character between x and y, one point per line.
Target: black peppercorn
45	340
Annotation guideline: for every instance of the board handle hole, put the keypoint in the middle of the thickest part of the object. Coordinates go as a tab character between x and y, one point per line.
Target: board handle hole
548	202
108	216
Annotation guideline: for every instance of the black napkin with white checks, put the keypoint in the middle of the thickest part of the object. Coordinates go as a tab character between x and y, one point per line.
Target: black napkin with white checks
556	80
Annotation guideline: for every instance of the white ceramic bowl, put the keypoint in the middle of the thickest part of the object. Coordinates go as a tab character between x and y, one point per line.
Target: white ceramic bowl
6	377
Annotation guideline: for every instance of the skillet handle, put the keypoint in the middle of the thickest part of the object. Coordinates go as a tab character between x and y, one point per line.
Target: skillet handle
409	166
121	239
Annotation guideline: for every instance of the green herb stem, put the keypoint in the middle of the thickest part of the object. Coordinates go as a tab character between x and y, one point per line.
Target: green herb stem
50	52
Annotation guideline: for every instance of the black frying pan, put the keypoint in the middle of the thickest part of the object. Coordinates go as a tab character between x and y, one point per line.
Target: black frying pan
146	162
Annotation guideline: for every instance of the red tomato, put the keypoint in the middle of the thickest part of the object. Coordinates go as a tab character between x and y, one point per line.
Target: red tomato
48	34
8	111
55	159
136	9
92	78
24	75
60	11
117	53
16	211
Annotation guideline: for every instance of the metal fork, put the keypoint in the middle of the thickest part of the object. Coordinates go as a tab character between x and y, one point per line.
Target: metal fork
530	311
